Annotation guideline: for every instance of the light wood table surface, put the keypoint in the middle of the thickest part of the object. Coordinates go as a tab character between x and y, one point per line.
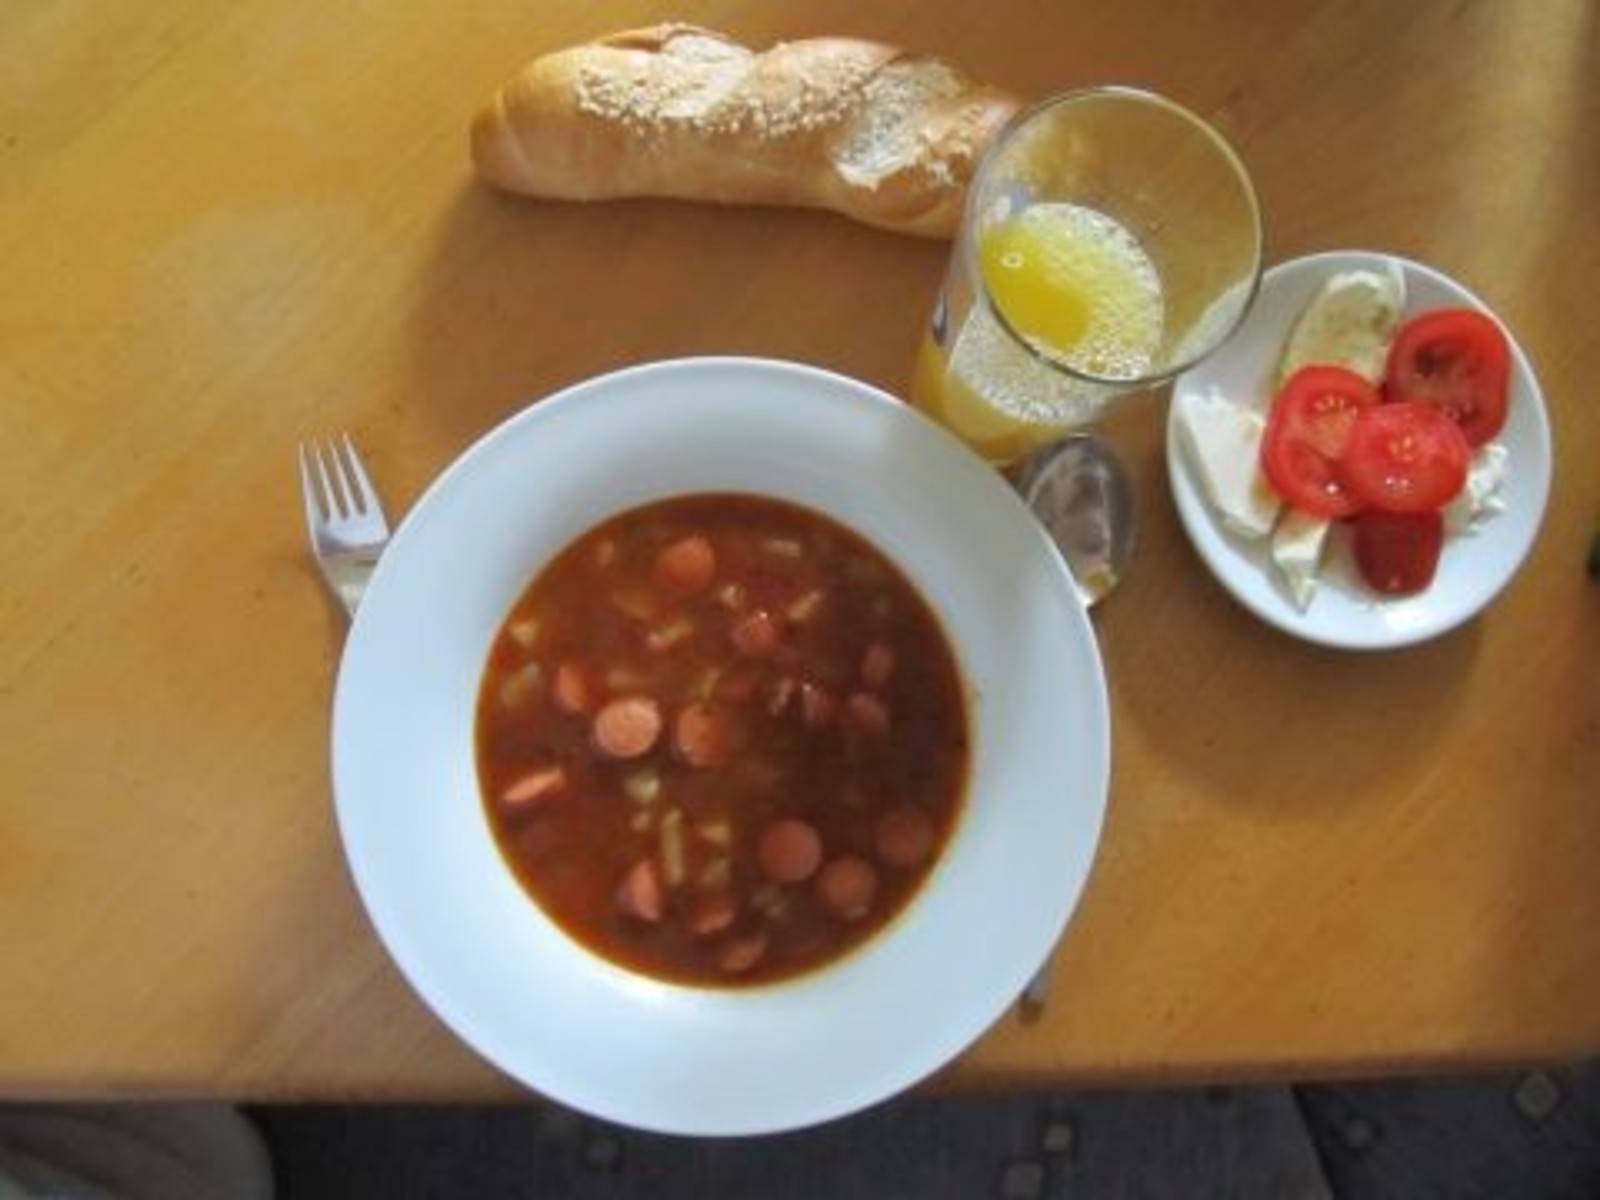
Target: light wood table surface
224	227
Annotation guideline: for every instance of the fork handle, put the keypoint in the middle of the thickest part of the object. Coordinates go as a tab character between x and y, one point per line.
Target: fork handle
347	575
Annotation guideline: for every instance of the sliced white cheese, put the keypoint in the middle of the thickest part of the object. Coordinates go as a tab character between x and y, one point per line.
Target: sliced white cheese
1223	442
1297	545
1349	323
1479	500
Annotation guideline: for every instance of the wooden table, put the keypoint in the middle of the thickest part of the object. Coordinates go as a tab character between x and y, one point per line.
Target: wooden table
228	226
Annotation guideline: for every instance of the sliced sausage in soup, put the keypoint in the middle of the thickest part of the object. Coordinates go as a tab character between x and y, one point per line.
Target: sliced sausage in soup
721	740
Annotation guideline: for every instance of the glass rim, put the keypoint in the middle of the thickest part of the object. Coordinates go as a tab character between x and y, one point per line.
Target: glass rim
992	155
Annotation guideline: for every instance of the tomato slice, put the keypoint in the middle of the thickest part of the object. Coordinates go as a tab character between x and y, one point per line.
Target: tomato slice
1398	552
1457	360
1306	434
1404	458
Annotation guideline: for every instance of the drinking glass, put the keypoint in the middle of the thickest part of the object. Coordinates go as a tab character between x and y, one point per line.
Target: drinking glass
1111	240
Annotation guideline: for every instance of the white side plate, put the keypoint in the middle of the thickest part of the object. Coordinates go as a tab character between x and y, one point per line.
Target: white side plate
1345	612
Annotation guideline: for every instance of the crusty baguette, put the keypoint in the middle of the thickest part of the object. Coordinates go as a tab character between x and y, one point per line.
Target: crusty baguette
865	129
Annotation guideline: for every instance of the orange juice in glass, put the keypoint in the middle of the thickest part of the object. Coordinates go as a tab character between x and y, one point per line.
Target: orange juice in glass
1111	240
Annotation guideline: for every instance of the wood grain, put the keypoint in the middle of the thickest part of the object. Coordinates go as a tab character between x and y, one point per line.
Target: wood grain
226	227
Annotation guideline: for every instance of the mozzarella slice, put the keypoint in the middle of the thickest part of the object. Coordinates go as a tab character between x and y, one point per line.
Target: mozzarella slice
1478	500
1349	323
1297	545
1223	442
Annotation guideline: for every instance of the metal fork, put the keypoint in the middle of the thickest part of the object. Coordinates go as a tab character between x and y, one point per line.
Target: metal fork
343	516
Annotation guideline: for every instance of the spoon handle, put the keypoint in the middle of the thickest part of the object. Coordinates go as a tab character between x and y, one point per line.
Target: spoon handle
1030	1005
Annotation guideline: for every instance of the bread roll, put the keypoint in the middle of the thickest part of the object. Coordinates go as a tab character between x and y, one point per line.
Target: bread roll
868	130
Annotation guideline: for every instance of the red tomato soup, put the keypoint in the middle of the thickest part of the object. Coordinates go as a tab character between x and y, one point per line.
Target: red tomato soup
721	740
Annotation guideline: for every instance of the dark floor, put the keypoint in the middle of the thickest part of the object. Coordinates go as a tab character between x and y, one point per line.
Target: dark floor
1515	1137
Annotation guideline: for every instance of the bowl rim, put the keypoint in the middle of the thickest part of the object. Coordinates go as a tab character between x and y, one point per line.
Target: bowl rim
1091	797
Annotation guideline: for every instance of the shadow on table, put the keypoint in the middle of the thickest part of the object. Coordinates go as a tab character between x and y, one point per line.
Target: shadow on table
521	297
1305	727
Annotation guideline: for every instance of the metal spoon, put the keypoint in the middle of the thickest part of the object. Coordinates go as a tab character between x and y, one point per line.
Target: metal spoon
1082	497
